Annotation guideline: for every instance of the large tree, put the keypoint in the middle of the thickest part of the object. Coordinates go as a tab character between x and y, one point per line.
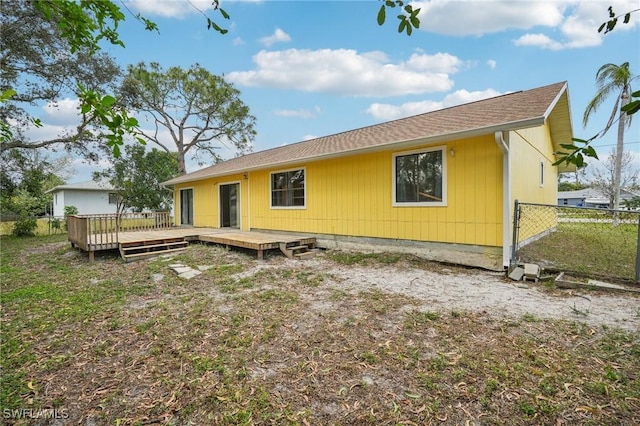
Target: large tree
39	65
84	24
613	80
137	176
199	111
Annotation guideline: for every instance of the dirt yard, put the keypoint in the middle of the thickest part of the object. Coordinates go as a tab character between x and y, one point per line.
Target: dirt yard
342	339
458	289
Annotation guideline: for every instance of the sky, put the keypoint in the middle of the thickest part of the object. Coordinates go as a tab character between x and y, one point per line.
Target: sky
314	68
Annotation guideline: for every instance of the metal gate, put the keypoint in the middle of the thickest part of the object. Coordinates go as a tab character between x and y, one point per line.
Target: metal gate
598	243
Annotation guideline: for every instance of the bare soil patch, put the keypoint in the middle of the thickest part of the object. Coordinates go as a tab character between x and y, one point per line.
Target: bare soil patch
341	339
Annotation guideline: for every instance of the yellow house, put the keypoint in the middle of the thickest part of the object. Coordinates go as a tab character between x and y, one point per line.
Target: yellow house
441	185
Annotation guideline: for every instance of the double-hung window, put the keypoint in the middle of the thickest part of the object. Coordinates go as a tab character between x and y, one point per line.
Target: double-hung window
419	178
288	189
113	198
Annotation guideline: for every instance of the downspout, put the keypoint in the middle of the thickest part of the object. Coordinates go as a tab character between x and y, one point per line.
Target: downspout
502	140
248	175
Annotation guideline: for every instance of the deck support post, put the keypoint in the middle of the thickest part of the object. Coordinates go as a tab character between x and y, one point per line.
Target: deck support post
91	255
260	254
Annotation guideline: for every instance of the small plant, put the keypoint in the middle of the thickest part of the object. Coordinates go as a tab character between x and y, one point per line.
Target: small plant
417	318
368	357
56	224
25	226
579	312
70	211
438	363
352	258
490	387
527	408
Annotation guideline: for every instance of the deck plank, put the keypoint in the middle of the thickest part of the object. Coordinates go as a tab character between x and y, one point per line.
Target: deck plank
259	241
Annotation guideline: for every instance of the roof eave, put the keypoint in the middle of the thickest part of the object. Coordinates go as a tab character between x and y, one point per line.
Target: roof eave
78	189
403	144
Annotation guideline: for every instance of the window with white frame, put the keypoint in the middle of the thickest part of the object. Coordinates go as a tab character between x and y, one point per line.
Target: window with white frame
288	189
420	177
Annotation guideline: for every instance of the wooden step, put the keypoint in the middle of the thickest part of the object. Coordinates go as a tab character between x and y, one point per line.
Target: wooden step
307	254
297	248
139	250
151	246
139	256
151	243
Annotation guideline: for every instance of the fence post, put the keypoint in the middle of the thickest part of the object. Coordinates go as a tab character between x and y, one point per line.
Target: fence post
638	254
516	225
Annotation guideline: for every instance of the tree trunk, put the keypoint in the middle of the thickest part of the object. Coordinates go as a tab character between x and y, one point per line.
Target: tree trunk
182	168
617	165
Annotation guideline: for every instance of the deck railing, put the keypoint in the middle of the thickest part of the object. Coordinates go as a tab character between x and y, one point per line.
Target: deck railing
100	230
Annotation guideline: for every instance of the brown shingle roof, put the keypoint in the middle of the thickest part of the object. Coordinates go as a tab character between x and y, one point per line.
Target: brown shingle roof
507	112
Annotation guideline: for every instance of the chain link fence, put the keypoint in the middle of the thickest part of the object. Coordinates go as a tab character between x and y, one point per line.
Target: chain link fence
595	243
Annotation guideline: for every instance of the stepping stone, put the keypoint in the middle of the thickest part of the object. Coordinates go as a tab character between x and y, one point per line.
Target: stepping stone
189	274
205	267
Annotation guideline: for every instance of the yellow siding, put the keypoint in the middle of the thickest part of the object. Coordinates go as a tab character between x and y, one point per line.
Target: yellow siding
353	196
206	203
530	148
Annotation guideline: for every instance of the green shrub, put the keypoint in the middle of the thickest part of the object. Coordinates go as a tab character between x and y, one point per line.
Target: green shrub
25	226
70	210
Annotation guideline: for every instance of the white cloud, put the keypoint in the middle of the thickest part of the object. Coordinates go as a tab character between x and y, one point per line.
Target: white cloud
299	113
309	137
278	36
47	131
237	41
64	112
560	24
492	64
477	18
579	29
439	63
539	40
385	112
349	73
83	170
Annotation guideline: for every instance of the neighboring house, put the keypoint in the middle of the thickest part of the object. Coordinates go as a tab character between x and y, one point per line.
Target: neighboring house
88	197
441	185
591	197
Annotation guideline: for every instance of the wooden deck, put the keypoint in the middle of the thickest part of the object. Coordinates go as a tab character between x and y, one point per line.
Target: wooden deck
137	244
259	241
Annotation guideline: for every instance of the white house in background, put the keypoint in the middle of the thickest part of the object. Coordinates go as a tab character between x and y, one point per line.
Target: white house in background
590	197
88	197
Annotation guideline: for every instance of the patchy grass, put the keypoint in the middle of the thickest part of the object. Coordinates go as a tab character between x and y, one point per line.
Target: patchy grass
592	249
45	226
353	257
276	342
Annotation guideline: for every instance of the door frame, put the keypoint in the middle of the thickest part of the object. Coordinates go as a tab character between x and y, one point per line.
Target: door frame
191	204
238	204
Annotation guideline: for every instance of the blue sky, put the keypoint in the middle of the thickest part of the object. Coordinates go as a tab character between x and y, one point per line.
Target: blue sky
314	68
